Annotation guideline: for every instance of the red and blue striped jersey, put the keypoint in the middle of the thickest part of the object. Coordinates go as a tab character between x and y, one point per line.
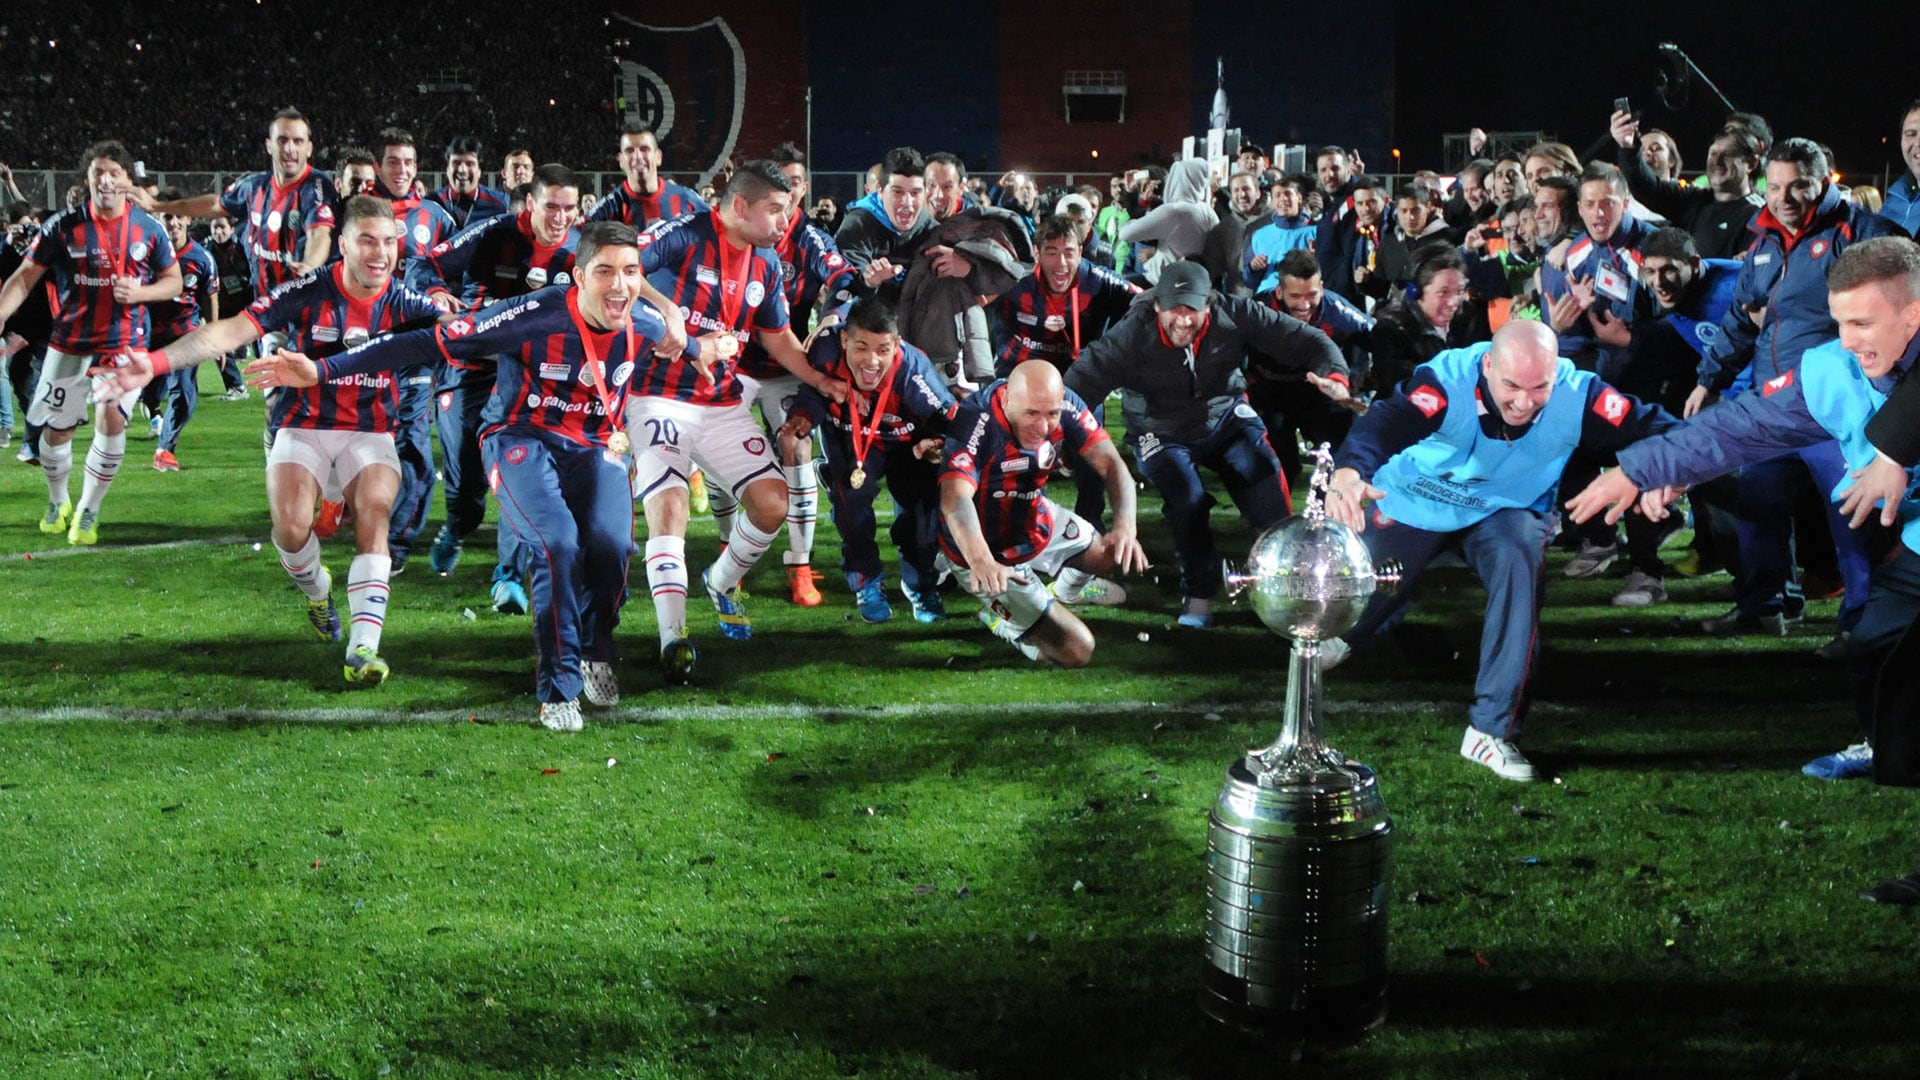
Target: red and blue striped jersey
683	258
469	210
494	260
810	264
199	282
274	221
83	254
544	382
919	404
424	224
625	203
322	320
1036	323
1010	482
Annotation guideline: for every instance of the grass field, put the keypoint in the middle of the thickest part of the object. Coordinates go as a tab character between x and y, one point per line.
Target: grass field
873	851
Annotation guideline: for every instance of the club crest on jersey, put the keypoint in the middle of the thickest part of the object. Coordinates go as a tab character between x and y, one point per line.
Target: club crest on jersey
586	375
536	276
273	221
1775	385
561	278
756	292
1819	248
446	402
138	250
516	455
421	234
1427	400
1612	406
755	446
622	373
787	271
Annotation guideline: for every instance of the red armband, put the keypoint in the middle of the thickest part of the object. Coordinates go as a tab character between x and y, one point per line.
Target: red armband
161	364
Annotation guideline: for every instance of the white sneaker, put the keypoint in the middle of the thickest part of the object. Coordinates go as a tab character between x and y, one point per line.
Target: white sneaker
1641	590
1097	592
1501	756
561	716
600	687
1333	653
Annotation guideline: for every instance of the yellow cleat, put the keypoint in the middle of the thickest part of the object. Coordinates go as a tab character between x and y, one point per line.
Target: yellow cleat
55	522
85	531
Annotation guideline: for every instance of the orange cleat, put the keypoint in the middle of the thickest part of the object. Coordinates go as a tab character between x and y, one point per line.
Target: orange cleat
327	522
805	592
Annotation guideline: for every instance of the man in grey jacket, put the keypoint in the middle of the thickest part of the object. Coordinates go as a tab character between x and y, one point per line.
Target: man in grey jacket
1179	359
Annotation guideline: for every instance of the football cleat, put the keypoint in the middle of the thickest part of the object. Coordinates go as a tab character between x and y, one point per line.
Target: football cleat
805	592
676	661
55	522
731	606
600	687
324	619
85	530
698	501
509	597
445	553
561	716
1097	592
327	521
928	607
365	668
164	461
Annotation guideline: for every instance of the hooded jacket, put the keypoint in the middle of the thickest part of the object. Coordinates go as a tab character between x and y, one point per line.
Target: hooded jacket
1178	227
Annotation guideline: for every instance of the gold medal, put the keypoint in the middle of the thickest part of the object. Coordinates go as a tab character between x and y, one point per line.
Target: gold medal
618	442
858	478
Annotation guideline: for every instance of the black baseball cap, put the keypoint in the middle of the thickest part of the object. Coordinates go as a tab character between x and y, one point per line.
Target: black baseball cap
1183	284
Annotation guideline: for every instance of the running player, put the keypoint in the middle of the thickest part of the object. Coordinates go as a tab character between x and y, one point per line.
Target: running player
109	259
336	438
553	443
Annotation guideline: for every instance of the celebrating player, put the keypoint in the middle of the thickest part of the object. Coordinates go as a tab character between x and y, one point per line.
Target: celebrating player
552	443
109	259
335	439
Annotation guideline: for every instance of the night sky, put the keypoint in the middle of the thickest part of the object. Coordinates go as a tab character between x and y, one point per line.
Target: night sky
1829	72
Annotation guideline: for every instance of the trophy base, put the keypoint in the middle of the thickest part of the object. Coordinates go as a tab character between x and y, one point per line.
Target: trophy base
1334	1015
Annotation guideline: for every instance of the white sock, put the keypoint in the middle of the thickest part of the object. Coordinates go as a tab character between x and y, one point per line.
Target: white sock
57	463
743	549
304	568
723	505
667	578
103	464
367	591
803	513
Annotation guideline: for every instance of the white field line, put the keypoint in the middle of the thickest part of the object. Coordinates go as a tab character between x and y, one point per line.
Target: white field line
114	549
496	713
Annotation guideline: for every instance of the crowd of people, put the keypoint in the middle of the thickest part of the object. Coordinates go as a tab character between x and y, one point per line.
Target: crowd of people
1480	348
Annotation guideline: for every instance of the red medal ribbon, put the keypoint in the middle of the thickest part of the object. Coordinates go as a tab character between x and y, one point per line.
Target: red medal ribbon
602	383
863	437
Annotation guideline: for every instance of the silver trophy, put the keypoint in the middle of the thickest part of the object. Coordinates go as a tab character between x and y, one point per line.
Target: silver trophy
1299	843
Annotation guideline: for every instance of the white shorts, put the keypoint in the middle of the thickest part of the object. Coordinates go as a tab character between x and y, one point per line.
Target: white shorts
333	457
1027	598
775	396
61	396
673	438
